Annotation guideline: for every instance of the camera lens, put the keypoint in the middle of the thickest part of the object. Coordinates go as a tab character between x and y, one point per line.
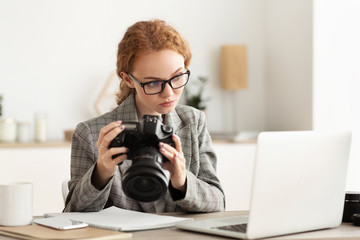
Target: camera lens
145	184
145	188
145	180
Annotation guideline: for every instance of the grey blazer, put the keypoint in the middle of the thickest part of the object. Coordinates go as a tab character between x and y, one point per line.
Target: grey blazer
204	192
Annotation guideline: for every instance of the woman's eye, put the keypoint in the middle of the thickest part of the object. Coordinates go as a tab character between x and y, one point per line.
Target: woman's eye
154	84
177	77
180	78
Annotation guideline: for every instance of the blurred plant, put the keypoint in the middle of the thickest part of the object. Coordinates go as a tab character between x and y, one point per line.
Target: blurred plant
194	93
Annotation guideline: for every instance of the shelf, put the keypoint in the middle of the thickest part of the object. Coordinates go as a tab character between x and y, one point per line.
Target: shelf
230	141
233	138
36	144
68	144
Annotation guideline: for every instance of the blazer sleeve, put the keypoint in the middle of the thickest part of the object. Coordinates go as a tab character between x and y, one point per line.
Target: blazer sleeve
203	188
83	196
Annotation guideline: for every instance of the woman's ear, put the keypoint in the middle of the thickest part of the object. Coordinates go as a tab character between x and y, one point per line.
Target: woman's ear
125	77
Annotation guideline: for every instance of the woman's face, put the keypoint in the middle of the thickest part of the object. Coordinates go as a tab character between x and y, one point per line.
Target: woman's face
156	65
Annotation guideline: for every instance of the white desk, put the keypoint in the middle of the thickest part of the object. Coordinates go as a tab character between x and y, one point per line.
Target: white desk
345	231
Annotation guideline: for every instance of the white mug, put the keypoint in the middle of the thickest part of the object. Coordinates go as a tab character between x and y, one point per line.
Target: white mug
16	204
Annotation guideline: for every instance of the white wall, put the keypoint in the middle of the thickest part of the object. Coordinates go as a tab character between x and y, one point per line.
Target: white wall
56	55
337	73
288	63
303	55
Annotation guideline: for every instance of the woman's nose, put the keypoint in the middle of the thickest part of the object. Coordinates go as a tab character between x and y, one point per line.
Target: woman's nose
168	91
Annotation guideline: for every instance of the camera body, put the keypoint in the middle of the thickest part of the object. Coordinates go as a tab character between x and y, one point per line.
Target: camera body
145	180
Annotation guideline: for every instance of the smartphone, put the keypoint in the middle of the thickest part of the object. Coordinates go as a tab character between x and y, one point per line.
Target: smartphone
60	223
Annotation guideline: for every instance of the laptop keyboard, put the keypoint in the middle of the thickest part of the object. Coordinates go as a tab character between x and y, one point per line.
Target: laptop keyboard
236	228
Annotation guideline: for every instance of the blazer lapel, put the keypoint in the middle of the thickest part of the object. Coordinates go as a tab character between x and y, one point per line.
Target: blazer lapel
173	120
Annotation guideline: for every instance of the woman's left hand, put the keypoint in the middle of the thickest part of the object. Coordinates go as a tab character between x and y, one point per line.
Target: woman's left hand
176	163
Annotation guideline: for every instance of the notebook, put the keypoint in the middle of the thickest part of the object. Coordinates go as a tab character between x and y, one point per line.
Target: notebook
117	219
38	232
298	185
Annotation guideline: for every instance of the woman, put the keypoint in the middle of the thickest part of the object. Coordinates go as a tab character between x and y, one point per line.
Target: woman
152	62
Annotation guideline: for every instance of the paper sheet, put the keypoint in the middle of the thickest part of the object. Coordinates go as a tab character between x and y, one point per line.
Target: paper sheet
118	219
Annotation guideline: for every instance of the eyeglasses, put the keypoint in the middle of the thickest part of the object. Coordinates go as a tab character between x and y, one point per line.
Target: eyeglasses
155	87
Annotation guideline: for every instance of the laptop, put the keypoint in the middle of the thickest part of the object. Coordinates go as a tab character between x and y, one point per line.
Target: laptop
298	185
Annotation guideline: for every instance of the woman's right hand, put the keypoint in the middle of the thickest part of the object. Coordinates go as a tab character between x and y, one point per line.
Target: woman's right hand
106	165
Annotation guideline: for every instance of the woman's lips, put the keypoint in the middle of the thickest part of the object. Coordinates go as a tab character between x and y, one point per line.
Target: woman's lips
167	104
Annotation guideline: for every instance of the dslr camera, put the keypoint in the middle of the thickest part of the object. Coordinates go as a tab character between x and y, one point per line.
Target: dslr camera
145	180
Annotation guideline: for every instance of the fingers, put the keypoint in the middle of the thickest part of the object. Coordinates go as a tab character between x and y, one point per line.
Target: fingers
176	163
108	155
167	166
167	151
119	159
177	142
107	164
173	165
108	133
173	154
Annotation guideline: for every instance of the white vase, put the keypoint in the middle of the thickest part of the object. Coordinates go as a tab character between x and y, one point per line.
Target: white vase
8	130
40	127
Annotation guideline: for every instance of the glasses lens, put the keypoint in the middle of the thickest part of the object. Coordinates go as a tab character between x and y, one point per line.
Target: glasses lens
153	87
179	81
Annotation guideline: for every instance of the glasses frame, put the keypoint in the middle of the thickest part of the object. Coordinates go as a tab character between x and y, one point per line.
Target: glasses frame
163	82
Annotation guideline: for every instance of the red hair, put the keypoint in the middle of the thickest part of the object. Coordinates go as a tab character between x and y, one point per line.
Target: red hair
143	37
